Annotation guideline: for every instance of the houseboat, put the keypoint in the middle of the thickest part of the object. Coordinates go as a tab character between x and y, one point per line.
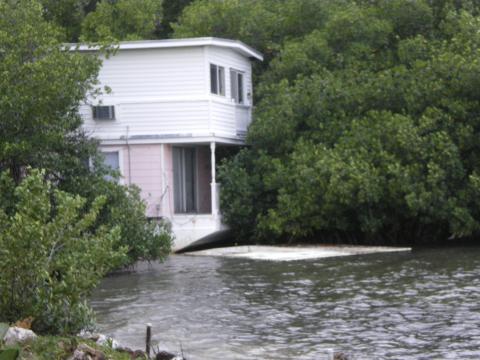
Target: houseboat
173	104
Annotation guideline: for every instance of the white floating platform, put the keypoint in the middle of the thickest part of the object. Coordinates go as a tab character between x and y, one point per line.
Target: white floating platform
291	253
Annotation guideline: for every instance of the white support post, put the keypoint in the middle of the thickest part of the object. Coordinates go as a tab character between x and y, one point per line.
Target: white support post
163	180
214	182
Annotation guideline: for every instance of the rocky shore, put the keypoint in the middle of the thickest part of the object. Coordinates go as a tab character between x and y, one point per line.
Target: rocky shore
20	343
17	343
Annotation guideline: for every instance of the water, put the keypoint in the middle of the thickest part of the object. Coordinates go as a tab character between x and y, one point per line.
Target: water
423	305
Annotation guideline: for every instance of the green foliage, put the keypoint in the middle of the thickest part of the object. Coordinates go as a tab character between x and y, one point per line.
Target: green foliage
42	85
52	255
261	24
68	14
366	130
9	354
172	9
118	20
143	239
56	347
122	20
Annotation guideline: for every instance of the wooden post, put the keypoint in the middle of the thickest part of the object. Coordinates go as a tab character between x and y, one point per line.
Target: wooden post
149	339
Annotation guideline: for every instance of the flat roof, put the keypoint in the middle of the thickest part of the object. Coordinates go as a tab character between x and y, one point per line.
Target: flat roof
236	45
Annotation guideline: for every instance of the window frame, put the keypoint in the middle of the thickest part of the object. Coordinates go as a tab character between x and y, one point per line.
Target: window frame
217	86
118	151
237	94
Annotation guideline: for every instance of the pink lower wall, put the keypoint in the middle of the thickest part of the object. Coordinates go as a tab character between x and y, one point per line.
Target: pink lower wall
142	165
146	172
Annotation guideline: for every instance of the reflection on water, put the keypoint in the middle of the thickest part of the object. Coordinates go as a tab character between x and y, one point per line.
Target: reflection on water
423	305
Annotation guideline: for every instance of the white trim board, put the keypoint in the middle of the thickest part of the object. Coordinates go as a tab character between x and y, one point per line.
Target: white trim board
236	45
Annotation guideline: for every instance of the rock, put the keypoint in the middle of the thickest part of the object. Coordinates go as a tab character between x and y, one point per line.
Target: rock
88	335
79	355
100	339
124	349
67	346
85	352
104	340
340	356
16	335
138	354
164	355
134	354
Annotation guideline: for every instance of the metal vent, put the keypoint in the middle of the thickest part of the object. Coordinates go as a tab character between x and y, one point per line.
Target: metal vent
103	112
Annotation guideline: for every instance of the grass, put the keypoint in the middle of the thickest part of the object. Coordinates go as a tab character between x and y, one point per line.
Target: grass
61	348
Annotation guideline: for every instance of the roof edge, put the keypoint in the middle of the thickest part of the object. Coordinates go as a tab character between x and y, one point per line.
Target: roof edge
173	43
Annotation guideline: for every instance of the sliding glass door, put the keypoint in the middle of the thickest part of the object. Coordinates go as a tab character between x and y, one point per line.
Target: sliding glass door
185	179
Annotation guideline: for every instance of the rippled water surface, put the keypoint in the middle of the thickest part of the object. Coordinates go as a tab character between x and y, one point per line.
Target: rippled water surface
420	305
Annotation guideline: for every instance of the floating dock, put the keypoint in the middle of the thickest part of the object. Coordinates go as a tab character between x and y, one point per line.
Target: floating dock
292	253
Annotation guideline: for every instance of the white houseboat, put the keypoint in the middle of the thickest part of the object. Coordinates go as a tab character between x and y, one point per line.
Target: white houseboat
172	104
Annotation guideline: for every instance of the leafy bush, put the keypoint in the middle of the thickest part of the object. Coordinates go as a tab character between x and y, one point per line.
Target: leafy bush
366	130
44	83
144	239
122	20
51	254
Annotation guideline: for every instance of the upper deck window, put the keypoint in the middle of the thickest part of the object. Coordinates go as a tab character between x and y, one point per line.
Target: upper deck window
236	86
217	79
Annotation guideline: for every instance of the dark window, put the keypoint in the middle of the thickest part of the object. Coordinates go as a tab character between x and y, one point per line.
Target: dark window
236	86
217	79
213	79
185	180
240	88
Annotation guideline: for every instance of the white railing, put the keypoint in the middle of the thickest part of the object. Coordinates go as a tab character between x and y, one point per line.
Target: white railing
242	118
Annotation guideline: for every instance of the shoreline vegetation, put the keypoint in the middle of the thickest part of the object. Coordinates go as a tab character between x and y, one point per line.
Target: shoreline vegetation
57	347
26	345
18	342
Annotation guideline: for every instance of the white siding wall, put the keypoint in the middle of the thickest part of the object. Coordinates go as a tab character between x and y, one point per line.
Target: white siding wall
161	118
166	93
229	118
154	73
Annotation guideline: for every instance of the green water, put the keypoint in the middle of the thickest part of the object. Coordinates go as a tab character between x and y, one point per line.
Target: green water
420	305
